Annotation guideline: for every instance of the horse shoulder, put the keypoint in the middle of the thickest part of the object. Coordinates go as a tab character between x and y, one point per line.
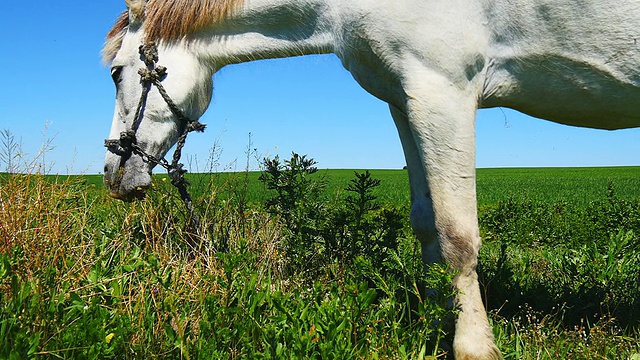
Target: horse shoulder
384	47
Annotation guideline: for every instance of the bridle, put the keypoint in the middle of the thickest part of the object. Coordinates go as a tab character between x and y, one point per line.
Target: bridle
127	144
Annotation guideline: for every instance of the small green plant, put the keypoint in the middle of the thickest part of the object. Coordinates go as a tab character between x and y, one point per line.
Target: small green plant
297	202
358	204
358	225
320	232
294	187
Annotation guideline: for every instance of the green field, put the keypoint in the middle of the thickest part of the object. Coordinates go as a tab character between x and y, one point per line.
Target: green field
313	275
576	185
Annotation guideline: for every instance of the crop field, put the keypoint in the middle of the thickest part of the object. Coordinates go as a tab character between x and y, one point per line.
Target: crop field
316	265
576	185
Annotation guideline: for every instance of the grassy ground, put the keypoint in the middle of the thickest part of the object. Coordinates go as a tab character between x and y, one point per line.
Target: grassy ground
83	276
576	185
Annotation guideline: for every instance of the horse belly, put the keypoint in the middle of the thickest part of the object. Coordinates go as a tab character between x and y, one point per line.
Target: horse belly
564	90
573	62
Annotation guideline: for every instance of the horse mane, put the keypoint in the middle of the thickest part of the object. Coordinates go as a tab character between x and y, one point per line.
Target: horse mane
170	20
114	38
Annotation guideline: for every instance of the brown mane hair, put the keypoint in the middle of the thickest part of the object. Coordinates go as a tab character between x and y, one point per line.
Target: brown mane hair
170	20
114	38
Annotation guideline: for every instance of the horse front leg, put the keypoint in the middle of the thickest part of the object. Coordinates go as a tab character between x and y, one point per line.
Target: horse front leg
437	131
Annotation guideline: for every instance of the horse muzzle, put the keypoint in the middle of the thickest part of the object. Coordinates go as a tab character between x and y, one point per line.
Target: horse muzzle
129	181
138	194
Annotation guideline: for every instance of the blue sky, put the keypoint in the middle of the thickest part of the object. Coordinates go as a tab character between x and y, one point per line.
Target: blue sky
52	78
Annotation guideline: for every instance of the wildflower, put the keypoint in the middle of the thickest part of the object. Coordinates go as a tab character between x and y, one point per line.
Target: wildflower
109	337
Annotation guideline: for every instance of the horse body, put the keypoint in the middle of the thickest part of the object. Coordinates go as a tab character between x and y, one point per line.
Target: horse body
576	63
434	62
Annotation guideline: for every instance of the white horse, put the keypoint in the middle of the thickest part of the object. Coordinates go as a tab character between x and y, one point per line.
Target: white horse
433	61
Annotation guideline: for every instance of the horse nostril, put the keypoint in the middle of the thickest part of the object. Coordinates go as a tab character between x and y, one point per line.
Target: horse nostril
106	169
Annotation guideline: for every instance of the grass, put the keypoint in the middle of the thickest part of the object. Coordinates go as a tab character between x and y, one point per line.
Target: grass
83	276
576	185
552	185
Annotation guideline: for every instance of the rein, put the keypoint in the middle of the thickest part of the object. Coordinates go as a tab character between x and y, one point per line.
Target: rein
127	144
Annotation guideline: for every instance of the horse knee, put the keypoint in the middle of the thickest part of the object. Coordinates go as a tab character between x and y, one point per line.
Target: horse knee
460	245
455	239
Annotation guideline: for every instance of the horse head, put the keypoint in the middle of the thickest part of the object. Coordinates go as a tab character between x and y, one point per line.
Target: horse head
146	122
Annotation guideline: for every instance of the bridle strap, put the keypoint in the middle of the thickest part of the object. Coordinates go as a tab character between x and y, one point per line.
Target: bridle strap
127	144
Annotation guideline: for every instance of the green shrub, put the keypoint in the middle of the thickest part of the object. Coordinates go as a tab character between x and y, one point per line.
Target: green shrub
530	222
587	281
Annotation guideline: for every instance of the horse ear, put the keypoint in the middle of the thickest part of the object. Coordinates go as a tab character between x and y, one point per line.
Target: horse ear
136	10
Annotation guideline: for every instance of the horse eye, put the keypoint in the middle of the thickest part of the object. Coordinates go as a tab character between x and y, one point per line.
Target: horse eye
116	72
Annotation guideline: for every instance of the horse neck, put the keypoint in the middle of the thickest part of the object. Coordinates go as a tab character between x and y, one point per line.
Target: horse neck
266	29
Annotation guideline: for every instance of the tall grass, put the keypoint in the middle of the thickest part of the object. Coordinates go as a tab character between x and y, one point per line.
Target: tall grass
84	276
